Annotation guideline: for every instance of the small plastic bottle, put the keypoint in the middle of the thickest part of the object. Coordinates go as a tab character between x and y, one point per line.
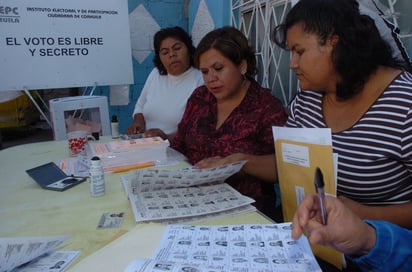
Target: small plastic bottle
97	184
115	127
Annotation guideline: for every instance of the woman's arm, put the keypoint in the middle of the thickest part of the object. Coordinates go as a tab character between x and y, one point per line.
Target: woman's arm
399	214
139	123
263	166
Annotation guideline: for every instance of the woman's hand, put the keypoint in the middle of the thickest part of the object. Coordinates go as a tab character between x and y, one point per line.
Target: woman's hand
135	128
210	162
344	230
261	166
219	161
155	132
138	125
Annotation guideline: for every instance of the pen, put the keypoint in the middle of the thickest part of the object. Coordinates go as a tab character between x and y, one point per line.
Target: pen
320	190
120	169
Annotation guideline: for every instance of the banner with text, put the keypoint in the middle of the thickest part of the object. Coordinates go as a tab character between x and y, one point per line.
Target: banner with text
57	44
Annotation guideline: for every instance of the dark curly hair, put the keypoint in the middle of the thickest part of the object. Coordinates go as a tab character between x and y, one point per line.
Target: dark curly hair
231	43
171	32
360	49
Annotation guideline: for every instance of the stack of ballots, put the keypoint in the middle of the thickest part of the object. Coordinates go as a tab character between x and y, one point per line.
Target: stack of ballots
184	195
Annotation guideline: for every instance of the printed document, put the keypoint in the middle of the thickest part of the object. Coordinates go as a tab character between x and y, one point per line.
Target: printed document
15	251
246	248
184	194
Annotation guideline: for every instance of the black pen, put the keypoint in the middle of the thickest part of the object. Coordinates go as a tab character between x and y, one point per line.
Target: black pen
320	190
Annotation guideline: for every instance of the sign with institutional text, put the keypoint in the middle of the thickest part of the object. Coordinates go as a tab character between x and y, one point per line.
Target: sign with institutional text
67	43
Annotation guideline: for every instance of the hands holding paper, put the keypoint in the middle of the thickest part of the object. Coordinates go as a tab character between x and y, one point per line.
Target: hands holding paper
261	166
211	162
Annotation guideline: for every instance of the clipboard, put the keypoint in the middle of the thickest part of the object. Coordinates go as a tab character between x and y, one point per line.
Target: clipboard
49	176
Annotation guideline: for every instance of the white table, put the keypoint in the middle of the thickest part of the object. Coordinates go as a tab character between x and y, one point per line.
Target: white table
28	210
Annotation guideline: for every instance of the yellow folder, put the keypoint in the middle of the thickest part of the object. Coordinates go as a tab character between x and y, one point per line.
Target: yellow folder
296	165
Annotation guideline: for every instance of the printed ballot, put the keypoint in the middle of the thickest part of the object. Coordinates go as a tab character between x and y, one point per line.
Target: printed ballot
246	248
181	195
35	254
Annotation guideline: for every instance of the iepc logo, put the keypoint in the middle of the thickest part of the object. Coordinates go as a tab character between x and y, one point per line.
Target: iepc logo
5	10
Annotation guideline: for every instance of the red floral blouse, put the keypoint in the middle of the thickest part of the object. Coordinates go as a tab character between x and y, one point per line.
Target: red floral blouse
248	129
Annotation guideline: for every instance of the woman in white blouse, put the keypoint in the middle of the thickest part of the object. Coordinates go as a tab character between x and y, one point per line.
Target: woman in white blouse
163	98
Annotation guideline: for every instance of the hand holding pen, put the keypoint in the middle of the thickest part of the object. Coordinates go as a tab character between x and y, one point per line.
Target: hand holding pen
344	230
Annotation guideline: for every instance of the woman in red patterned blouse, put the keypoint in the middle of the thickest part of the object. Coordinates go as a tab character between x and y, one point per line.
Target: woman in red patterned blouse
231	117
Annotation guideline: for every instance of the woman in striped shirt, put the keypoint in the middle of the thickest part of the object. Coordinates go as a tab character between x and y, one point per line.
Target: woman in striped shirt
351	83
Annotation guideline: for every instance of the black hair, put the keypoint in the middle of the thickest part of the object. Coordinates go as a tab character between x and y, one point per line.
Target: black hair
360	49
231	43
171	32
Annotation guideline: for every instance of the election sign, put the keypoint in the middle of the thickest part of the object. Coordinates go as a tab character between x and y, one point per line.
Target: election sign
57	44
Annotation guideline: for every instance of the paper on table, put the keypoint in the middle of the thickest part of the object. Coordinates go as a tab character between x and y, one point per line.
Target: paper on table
126	145
191	219
76	166
180	203
55	261
15	251
159	179
142	240
247	248
184	194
